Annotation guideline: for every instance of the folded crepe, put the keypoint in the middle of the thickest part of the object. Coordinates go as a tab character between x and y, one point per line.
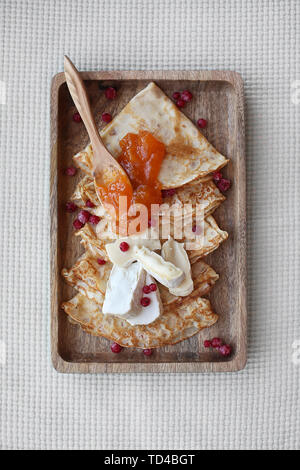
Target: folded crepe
204	193
213	237
211	240
84	191
92	243
188	153
90	279
204	278
173	326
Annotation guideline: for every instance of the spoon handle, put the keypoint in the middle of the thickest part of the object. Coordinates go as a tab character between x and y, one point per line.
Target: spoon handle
81	100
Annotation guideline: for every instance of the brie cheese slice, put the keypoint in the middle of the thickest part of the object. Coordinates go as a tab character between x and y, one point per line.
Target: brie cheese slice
145	315
124	287
175	253
163	271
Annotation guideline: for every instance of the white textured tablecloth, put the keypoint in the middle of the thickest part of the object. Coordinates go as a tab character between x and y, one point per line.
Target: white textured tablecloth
256	408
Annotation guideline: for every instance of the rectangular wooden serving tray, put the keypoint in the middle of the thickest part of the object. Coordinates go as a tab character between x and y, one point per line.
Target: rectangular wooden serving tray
217	97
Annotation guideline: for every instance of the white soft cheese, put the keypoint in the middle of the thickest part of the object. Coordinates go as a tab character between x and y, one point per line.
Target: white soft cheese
145	315
175	253
141	250
124	288
163	271
125	258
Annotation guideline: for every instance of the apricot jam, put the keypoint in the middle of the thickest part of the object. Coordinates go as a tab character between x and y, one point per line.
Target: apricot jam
141	157
112	186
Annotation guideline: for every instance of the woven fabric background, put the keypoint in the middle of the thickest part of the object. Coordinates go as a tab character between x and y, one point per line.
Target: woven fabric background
258	408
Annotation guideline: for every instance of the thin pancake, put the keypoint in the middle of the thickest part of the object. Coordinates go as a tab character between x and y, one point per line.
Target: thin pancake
95	242
213	237
88	277
202	245
173	326
188	154
203	192
84	191
91	243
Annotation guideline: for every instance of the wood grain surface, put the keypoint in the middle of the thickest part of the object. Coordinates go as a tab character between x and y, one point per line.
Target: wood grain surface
218	97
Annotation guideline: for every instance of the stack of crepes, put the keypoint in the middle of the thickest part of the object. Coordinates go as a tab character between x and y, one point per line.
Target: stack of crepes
188	166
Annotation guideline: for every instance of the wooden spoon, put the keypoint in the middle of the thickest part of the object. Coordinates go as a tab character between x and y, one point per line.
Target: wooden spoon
106	169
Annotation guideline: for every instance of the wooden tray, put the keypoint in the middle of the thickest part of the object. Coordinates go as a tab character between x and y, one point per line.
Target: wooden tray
218	97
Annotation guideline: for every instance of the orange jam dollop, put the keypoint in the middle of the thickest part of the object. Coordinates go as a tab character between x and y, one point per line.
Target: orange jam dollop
112	186
141	157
